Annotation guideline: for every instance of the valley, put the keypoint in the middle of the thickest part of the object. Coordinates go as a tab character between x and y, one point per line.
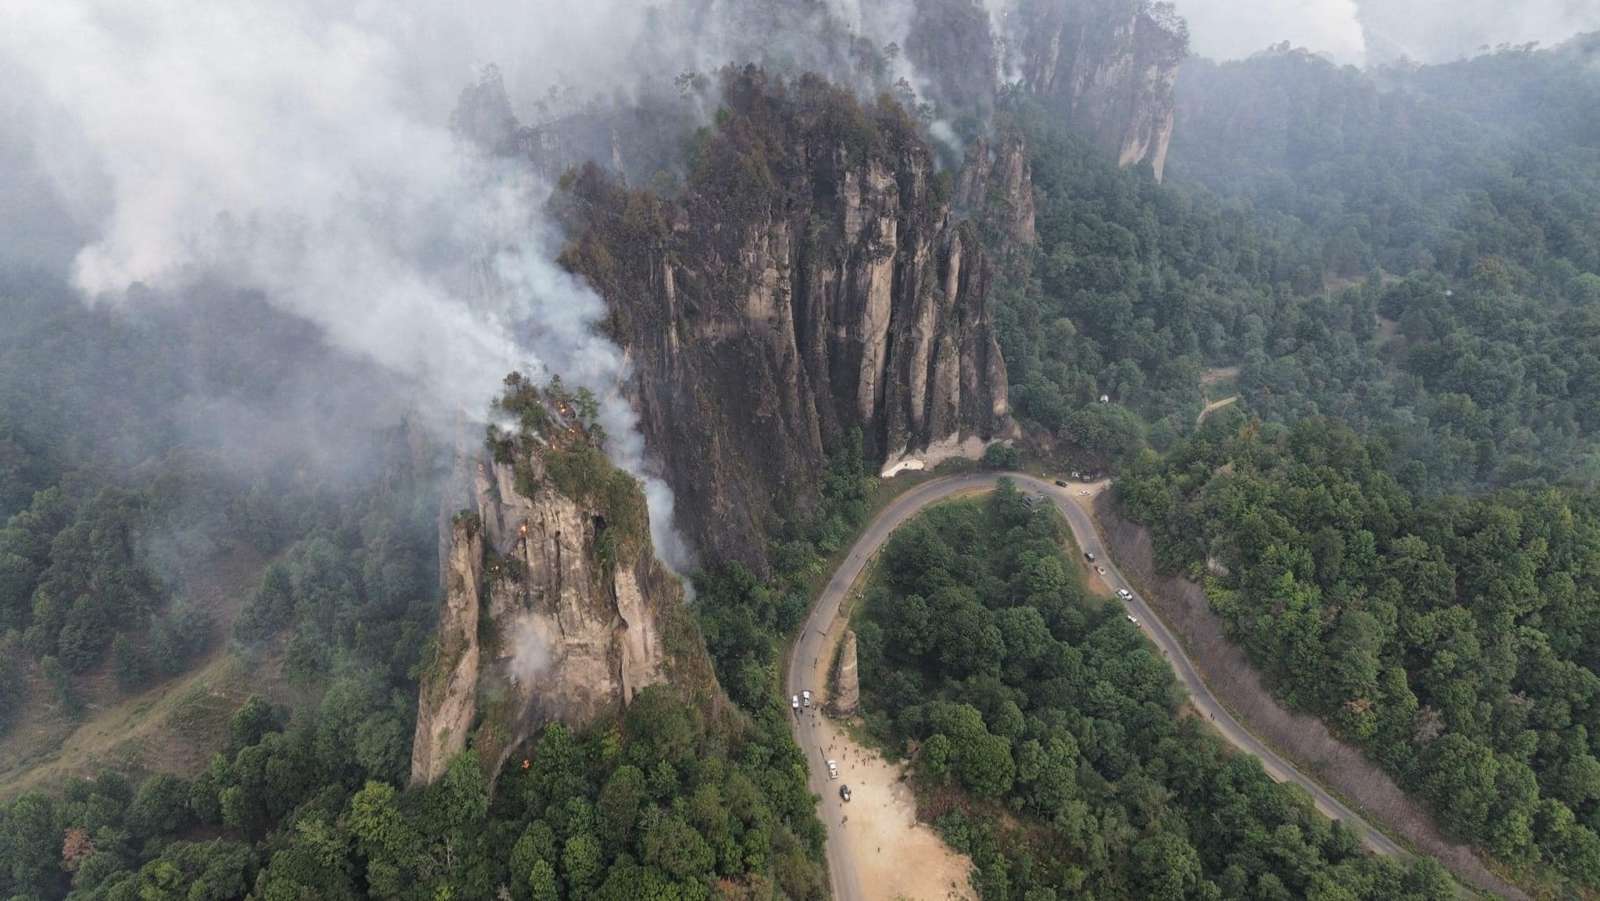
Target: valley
585	452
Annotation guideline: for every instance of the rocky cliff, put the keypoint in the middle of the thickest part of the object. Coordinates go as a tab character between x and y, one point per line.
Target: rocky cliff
996	187
846	696
810	279
1109	67
555	606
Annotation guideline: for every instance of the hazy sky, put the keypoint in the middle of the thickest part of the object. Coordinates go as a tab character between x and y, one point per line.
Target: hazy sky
1360	31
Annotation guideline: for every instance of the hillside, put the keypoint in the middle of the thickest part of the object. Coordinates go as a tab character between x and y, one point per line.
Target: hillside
299	599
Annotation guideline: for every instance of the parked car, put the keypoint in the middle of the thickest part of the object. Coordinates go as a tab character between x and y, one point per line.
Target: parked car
1133	619
1125	594
844	793
1061	482
1089	556
805	698
794	702
1100	569
833	769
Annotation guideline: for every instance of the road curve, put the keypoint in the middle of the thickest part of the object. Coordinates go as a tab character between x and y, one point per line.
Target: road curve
808	671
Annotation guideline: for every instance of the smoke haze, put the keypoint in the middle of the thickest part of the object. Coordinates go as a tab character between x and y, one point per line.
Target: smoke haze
307	155
1378	31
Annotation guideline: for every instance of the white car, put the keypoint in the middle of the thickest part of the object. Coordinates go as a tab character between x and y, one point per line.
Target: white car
805	697
1125	594
1100	569
833	769
1132	619
794	702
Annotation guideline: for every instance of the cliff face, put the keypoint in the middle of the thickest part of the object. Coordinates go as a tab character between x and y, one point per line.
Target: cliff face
550	612
1110	67
996	187
846	678
810	279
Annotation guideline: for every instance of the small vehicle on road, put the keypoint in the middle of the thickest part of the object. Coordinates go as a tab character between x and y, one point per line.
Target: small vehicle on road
794	702
1125	594
844	793
1061	483
1083	492
1132	619
833	769
1089	556
805	698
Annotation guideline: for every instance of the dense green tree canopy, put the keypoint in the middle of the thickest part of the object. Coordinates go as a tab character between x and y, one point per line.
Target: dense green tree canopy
1455	638
980	649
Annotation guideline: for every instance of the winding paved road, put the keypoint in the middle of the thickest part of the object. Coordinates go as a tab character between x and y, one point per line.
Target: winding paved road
808	671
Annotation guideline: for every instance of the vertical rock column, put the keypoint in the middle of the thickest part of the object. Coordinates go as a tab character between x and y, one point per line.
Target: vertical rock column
846	695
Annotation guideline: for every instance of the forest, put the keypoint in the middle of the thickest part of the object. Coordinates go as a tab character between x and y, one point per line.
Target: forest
1408	251
118	491
659	805
309	801
1452	637
1398	275
1050	741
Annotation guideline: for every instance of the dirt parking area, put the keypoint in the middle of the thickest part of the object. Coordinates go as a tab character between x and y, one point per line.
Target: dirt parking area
896	856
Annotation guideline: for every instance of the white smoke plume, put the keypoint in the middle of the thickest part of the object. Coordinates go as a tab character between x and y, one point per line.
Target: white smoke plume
303	149
530	652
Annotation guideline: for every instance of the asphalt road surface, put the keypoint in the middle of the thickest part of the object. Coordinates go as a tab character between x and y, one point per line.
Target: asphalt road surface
808	671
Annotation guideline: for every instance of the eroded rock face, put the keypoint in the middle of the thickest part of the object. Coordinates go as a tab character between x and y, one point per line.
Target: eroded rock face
812	280
1110	67
448	702
846	678
535	626
996	187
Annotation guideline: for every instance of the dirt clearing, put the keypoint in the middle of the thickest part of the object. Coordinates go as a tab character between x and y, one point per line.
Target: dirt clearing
895	855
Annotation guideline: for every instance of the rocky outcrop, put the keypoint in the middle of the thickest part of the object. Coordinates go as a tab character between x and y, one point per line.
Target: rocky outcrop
810	281
447	704
846	697
1109	66
996	187
549	613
